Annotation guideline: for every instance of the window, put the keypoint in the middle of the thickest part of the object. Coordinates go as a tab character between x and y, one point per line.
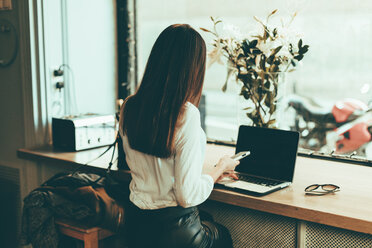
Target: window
336	67
80	38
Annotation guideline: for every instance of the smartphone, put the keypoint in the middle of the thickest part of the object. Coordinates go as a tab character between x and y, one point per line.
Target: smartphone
240	155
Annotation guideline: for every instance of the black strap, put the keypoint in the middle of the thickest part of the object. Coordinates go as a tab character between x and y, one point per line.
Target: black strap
110	163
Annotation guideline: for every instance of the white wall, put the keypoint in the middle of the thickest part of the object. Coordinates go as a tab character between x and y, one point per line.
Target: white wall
91	53
12	121
11	103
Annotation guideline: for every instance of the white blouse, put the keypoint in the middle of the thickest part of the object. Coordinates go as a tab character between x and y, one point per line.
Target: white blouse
175	181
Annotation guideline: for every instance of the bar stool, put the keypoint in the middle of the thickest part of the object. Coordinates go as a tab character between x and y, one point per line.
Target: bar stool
89	235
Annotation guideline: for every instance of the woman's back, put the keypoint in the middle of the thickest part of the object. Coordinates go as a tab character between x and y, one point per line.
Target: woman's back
166	182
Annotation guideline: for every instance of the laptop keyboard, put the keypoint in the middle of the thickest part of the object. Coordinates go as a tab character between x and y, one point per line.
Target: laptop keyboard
259	181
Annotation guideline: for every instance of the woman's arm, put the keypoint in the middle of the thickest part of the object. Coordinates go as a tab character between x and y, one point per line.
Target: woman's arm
191	186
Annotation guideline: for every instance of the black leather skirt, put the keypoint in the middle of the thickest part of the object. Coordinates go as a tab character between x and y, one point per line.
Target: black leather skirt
173	227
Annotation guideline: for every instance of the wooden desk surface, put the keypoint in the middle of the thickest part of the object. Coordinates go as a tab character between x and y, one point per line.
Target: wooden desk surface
351	208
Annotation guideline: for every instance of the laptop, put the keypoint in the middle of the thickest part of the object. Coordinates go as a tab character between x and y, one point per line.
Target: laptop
271	163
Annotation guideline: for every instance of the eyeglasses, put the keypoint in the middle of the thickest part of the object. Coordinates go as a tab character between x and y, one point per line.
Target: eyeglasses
325	189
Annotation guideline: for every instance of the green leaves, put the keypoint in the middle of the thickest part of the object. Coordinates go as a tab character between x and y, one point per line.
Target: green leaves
214	32
245	93
229	73
299	57
300	43
275	33
271	58
272	13
263	62
271	122
256	63
215	22
301	51
276	50
249	48
253	43
206	30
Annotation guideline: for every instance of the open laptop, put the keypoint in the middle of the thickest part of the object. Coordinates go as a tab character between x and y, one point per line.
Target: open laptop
271	163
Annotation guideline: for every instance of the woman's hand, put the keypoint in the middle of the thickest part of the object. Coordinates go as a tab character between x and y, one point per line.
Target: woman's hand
224	168
230	174
229	168
227	164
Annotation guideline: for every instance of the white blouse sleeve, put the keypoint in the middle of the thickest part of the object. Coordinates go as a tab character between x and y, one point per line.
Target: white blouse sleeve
191	187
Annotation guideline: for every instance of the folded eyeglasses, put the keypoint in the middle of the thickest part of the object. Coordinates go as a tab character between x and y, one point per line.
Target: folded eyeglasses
324	189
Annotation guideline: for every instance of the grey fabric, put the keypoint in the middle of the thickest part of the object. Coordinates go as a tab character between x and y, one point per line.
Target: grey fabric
40	209
51	200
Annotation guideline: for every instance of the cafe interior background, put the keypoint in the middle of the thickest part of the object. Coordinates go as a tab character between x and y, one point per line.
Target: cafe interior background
102	50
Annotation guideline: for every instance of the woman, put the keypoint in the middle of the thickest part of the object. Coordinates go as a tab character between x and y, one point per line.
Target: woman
164	146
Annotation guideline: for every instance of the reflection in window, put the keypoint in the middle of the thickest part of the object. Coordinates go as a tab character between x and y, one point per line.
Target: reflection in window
336	67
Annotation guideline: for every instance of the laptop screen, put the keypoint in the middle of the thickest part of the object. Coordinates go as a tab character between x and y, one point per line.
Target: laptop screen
273	152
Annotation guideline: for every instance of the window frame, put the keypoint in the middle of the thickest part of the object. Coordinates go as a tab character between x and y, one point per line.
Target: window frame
126	47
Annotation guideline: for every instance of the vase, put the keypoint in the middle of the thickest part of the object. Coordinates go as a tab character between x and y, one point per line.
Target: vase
260	100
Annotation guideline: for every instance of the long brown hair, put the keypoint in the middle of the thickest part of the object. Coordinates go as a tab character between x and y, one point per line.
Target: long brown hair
174	74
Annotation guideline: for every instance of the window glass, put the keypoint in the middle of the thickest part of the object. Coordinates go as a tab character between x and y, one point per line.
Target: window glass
336	67
80	39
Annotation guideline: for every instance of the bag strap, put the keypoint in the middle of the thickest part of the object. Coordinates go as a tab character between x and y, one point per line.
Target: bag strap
111	161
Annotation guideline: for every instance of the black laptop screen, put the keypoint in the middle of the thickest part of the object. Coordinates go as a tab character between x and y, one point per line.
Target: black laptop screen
273	152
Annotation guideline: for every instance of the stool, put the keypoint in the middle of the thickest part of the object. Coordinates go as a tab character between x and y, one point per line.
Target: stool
89	235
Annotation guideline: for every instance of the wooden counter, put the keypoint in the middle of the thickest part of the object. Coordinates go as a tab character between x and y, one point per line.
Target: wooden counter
351	208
